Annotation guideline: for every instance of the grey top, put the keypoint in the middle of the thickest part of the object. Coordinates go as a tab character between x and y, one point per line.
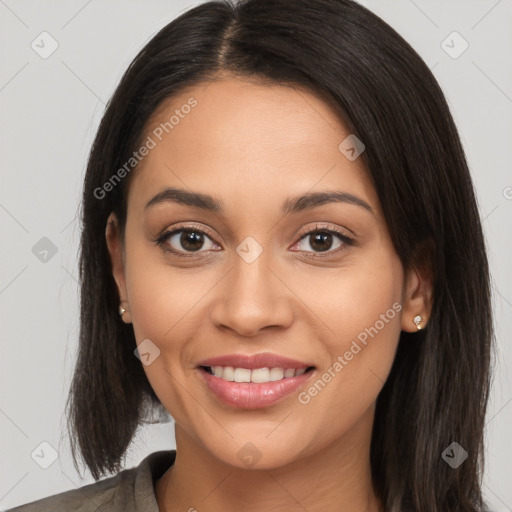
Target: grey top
131	490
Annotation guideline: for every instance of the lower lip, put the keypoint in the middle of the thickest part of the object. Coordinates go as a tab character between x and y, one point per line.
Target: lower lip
253	395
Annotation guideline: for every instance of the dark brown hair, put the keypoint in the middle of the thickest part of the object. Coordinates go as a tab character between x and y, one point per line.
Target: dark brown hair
438	387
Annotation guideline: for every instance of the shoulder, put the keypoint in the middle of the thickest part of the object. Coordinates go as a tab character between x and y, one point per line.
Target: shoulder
84	499
129	491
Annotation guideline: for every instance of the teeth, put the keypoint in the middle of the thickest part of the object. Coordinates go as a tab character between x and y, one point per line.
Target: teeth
242	375
258	375
228	373
276	374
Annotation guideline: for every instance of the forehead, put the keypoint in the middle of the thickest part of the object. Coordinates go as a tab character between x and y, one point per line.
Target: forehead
247	139
270	116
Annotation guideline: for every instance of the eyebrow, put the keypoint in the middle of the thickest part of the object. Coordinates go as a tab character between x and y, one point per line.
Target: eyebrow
296	204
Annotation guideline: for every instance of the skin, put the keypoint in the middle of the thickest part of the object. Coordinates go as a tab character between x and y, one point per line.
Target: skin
251	146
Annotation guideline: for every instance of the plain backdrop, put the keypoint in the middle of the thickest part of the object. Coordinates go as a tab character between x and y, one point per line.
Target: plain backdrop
49	111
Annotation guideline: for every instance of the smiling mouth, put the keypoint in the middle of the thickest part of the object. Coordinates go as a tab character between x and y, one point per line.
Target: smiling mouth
256	375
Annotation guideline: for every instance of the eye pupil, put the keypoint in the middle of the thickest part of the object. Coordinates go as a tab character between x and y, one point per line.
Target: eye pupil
322	237
188	238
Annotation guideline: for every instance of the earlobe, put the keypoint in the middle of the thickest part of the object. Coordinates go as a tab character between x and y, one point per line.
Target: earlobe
124	311
115	249
417	303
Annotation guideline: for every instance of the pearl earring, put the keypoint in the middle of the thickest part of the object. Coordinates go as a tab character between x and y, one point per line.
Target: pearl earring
417	320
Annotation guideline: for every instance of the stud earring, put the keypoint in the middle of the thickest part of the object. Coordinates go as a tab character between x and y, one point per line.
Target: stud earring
417	320
122	310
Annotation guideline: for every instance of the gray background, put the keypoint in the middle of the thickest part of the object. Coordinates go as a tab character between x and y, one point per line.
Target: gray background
50	110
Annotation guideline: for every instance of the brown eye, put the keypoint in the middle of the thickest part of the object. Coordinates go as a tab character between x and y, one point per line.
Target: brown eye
320	241
191	240
183	241
324	240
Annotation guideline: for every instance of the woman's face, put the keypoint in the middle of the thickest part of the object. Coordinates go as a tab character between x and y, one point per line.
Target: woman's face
249	283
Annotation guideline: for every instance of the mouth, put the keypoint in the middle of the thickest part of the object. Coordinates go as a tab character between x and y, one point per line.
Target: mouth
253	381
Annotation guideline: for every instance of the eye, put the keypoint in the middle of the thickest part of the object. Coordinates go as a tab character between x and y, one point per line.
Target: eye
320	239
182	241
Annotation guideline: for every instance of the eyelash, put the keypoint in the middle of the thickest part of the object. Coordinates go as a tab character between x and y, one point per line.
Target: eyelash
347	241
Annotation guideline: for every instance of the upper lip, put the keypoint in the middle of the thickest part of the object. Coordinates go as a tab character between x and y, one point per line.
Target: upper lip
263	360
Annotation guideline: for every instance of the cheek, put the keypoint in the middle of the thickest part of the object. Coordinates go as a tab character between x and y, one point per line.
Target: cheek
161	297
166	308
357	365
361	301
161	306
362	311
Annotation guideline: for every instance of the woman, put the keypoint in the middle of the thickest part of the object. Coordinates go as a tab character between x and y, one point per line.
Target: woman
281	247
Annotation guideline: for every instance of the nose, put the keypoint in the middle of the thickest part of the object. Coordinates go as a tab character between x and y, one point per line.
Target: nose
252	297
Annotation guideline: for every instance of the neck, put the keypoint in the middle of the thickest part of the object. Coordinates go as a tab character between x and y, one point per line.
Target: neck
335	478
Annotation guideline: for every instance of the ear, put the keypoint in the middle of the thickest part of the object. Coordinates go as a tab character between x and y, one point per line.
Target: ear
418	291
116	251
